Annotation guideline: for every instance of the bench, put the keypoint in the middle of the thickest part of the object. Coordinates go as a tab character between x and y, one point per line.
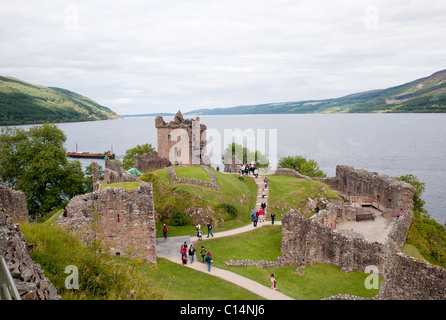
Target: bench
365	216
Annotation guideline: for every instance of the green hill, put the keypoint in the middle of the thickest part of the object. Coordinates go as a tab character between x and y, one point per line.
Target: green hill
423	95
25	103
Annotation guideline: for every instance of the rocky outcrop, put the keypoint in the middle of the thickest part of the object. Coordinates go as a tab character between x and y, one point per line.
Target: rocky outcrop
151	162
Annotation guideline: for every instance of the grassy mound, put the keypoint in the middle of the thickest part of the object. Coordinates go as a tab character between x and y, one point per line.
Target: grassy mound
183	205
288	192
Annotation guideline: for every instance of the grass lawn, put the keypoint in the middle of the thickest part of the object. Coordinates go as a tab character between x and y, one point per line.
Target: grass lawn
288	192
181	283
319	281
197	173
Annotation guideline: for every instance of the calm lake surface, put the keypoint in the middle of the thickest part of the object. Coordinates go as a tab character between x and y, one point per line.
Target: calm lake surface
393	144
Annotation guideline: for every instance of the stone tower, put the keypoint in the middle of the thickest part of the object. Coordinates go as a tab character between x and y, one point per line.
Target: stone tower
182	141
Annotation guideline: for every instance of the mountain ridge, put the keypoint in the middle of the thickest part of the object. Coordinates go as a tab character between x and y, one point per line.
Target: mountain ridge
25	103
424	95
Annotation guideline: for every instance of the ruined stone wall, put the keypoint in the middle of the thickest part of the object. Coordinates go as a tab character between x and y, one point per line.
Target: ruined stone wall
150	162
123	220
14	202
313	242
387	190
407	278
29	278
113	173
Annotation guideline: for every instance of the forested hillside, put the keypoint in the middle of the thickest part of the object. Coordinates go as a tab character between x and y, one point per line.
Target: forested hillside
25	103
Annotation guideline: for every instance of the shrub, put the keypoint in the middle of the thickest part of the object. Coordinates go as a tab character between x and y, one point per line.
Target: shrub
229	208
179	219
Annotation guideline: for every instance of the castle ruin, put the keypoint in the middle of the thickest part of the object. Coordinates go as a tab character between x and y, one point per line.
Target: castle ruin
321	239
182	141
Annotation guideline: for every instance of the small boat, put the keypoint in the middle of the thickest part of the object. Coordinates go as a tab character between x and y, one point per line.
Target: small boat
88	155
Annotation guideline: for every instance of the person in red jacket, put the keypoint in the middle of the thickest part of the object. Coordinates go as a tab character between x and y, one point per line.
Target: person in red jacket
165	231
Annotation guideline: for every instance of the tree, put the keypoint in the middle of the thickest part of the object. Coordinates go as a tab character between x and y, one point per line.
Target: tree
418	203
246	156
306	167
129	158
36	163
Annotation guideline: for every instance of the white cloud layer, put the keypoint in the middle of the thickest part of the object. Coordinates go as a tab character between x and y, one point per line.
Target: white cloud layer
164	55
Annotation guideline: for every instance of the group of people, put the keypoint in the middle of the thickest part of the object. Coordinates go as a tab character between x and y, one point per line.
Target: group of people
200	233
185	253
247	169
259	215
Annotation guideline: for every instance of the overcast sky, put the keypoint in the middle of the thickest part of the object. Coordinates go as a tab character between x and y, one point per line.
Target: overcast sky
165	55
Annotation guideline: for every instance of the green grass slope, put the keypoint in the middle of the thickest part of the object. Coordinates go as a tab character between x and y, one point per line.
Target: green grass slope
25	103
227	208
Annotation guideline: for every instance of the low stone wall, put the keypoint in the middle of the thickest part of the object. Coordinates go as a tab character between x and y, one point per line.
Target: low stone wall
312	242
213	184
14	202
113	173
290	172
29	278
123	220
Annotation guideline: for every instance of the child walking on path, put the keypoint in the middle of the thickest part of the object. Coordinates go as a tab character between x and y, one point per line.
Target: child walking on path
273	282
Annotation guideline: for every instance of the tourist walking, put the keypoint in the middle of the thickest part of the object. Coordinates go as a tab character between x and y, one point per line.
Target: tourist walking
399	213
210	230
254	220
191	253
266	182
183	255
209	260
273	282
317	211
165	231
261	215
273	216
240	177
199	235
203	253
230	168
263	193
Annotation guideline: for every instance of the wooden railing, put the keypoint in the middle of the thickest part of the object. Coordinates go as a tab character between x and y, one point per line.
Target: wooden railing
329	221
359	201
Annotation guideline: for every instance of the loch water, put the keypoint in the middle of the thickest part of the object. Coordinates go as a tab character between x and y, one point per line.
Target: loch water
393	144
